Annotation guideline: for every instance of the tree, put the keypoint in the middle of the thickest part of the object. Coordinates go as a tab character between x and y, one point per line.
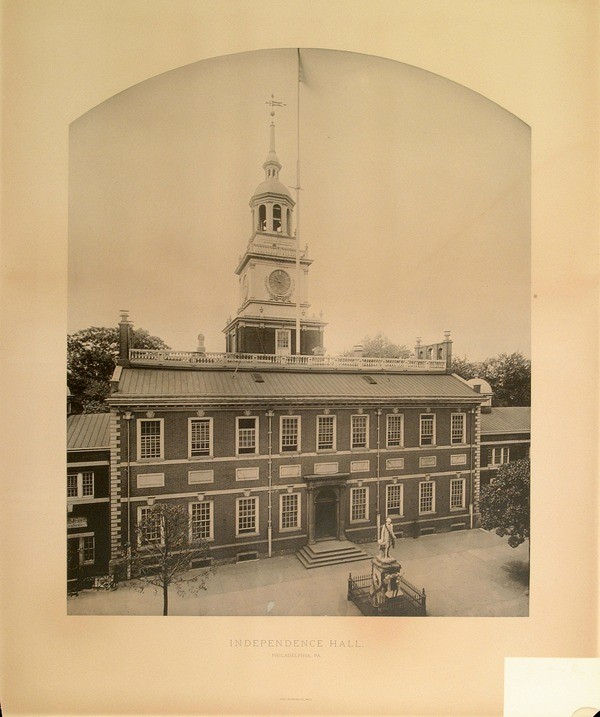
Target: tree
509	375
164	551
465	369
379	346
504	503
91	359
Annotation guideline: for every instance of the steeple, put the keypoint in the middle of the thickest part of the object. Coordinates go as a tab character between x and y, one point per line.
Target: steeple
272	203
273	274
272	164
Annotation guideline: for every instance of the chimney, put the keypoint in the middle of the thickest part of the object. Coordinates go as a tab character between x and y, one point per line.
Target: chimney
448	350
418	347
201	349
124	338
358	350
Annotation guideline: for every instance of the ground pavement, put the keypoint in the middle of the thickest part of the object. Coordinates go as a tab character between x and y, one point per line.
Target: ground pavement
471	572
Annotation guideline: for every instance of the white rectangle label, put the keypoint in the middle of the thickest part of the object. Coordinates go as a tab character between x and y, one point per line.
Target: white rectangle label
150	480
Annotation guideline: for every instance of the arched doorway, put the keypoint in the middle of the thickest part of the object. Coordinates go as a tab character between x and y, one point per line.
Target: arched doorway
326	517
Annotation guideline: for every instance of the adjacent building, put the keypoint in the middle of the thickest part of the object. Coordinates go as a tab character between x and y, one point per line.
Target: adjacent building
88	516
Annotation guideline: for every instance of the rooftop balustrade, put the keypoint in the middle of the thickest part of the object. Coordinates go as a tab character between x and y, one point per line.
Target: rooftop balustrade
239	360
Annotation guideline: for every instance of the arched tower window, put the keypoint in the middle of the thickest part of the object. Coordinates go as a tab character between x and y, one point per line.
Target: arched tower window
440	352
430	352
262	218
277	217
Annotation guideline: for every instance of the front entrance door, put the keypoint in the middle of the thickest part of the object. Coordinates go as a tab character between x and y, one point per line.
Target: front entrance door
326	514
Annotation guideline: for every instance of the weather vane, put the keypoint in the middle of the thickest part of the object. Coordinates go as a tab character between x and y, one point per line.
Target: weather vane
274	103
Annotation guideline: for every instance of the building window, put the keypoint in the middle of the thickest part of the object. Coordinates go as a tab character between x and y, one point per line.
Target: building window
262	218
359	504
149	526
200	437
80	485
246	510
360	432
498	456
426	497
427	434
325	433
89	549
457	431
395	430
289	511
247	435
290	434
150	438
83	549
393	499
457	493
283	342
201	520
277	217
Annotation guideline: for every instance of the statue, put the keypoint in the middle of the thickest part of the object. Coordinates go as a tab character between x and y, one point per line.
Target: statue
387	539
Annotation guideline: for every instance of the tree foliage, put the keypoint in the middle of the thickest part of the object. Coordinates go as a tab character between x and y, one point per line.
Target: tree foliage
504	503
509	375
379	346
91	358
164	552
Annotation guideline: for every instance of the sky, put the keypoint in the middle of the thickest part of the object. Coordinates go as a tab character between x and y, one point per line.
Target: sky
415	201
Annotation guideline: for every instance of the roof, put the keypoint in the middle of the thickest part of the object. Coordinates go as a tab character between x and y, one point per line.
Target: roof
88	431
271	186
507	419
228	385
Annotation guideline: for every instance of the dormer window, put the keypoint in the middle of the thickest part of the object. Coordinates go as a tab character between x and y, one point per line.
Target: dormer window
277	217
262	218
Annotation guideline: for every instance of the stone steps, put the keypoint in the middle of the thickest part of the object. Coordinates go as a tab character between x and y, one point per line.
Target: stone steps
330	552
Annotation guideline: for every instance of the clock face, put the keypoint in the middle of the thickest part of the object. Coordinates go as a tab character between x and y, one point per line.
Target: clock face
280	282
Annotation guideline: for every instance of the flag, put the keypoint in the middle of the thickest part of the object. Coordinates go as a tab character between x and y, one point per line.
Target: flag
301	75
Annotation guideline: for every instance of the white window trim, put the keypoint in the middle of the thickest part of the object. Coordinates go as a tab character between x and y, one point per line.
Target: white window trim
334	447
367	428
502	451
237	436
139	422
299	518
288	350
79	537
80	495
352	493
464	486
299	446
139	511
211	537
432	511
256	517
464	429
429	415
210	437
387	492
387	429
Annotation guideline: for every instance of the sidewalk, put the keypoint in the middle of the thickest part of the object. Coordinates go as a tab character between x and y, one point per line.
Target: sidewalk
469	573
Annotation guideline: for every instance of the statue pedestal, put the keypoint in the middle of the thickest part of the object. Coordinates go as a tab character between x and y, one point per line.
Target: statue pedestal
385	575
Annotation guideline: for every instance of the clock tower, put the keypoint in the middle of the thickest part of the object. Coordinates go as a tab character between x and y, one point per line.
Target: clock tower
273	275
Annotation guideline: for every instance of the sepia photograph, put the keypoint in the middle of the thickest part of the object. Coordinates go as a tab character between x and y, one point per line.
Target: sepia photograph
274	276
299	344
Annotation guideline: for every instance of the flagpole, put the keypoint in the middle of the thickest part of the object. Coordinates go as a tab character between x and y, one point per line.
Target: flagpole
298	282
